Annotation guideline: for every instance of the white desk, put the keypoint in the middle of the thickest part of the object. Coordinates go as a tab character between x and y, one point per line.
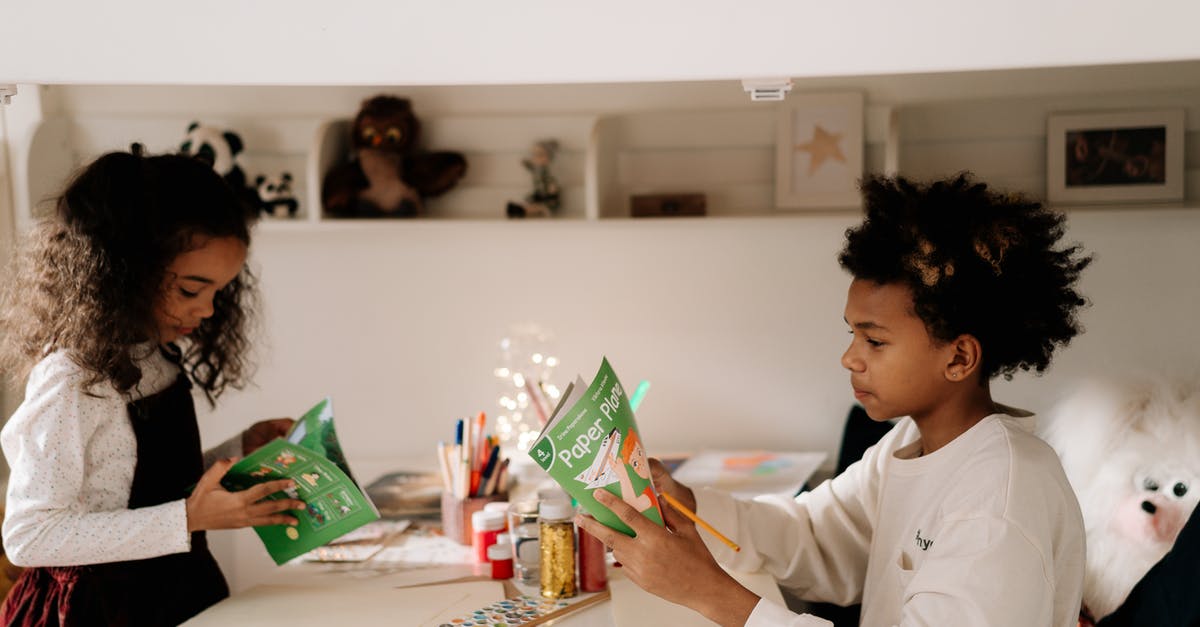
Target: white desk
384	592
313	593
365	603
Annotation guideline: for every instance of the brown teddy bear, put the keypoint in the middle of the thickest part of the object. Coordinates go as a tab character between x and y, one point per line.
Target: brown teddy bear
388	176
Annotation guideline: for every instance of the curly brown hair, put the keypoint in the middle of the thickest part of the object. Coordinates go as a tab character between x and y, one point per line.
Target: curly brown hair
88	279
978	262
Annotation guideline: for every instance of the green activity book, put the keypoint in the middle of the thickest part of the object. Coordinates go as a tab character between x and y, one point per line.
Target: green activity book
311	456
591	441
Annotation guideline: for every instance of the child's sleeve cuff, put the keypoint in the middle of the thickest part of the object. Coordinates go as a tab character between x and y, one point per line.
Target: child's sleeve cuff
771	614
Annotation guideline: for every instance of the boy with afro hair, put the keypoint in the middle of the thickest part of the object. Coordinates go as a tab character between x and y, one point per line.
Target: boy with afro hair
959	515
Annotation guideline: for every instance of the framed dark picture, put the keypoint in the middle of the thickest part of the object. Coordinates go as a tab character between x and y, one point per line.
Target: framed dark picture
1128	156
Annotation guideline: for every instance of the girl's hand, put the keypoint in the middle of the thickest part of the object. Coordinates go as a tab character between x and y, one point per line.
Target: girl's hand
664	482
672	563
264	431
212	507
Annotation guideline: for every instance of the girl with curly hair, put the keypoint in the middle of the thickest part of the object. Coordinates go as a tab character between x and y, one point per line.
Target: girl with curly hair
959	515
131	293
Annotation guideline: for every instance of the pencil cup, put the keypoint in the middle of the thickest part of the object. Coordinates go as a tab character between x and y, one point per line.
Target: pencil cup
456	515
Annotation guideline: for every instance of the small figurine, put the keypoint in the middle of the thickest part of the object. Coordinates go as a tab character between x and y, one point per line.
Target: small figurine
388	176
544	199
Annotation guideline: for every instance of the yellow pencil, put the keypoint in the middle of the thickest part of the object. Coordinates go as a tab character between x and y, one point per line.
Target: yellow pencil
696	519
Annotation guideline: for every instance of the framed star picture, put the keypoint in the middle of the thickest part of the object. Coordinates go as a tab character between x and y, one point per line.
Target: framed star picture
819	151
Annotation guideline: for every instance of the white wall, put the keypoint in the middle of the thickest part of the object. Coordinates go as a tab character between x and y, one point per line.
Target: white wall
736	322
402	325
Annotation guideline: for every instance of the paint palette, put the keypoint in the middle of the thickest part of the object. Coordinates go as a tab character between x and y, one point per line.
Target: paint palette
523	610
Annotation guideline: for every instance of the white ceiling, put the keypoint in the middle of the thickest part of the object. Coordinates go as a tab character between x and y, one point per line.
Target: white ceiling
447	42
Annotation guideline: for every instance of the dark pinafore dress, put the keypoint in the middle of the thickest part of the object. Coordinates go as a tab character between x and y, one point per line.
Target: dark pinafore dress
164	590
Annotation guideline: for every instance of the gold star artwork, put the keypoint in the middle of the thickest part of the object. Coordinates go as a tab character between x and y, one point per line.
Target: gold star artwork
824	145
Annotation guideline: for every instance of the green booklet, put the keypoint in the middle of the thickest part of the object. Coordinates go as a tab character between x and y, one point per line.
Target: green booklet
311	456
591	441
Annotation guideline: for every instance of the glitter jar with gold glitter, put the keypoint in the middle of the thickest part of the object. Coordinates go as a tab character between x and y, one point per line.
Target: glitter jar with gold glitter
557	529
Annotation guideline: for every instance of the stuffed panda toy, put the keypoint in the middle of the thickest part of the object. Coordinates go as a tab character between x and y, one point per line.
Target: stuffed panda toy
1131	450
275	197
219	149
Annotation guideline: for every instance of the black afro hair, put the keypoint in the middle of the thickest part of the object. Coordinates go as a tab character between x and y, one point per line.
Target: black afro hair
978	262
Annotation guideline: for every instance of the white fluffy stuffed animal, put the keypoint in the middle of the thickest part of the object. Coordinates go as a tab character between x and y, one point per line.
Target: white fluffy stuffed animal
1131	450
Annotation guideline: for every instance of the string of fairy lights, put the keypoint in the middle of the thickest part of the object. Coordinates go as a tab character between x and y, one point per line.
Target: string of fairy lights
527	396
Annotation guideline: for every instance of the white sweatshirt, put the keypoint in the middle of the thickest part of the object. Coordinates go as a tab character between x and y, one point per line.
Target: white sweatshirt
984	531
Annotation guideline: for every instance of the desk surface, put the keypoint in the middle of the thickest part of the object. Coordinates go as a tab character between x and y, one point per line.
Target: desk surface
365	604
312	593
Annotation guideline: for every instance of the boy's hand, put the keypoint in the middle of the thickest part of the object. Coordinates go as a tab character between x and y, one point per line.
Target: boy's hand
672	562
213	507
266	430
664	482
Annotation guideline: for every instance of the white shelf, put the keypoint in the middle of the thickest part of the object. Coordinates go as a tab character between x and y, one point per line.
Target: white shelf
493	145
724	153
617	139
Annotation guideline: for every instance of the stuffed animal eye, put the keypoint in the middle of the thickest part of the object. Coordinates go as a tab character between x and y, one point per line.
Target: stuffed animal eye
1150	484
1179	489
368	132
393	134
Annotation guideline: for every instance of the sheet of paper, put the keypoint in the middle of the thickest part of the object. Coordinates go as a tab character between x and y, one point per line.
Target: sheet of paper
423	548
318	606
358	545
749	473
357	552
374	531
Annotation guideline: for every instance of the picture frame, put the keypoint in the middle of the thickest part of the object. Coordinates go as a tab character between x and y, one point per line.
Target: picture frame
819	151
1115	157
